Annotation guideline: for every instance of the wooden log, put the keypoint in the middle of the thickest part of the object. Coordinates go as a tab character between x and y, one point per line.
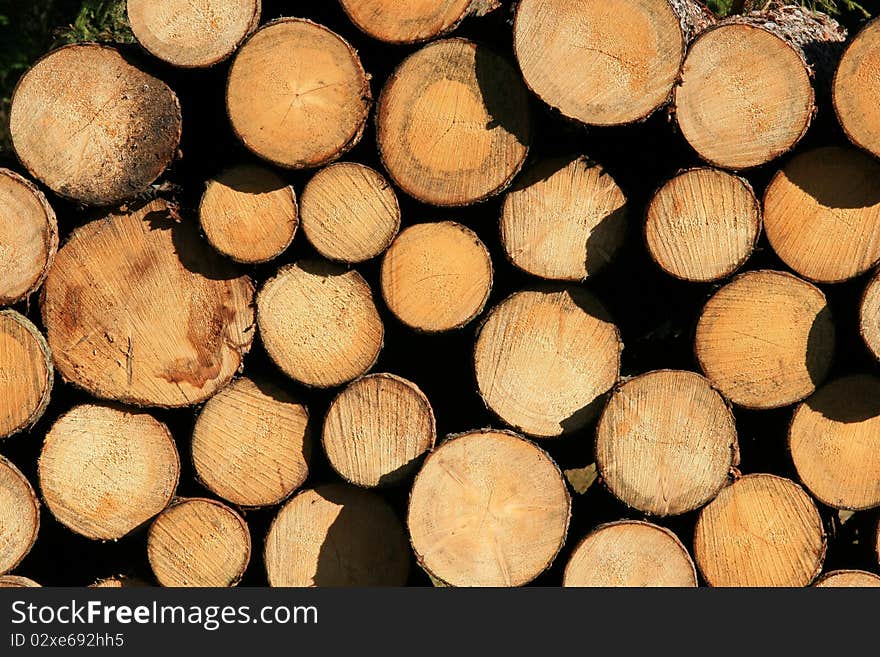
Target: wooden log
19	516
92	127
349	212
436	276
298	95
848	579
545	359
393	21
198	542
620	57
319	323
249	214
703	225
453	123
28	237
26	373
191	35
105	471
630	553
822	214
488	508
251	443
16	582
869	316
766	339
565	219
336	535
377	430
138	309
856	100
762	530
834	438
118	582
666	442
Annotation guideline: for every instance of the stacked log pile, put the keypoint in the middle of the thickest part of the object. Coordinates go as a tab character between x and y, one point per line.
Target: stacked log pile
462	292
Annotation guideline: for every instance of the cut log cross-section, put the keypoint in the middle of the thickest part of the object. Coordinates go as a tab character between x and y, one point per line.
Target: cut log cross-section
565	219
856	96
17	581
849	579
453	123
703	224
630	553
91	126
666	442
297	94
26	374
192	34
488	508
766	339
544	360
105	471
28	237
139	309
869	317
19	516
412	21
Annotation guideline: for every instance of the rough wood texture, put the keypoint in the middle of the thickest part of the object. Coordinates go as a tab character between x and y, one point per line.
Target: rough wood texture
28	237
630	553
766	339
198	542
19	516
91	126
377	429
762	530
453	123
834	440
251	443
16	581
436	276
118	582
26	374
249	214
349	212
297	94
105	471
138	309
703	224
869	316
488	508
620	58
545	359
336	535
189	34
822	214
848	579
565	219
666	442
856	96
412	21
319	323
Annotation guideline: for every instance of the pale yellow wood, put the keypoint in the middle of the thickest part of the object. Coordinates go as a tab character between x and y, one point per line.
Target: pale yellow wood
297	94
411	21
855	93
869	316
16	581
105	471
192	33
762	530
198	542
436	276
766	339
91	126
377	429
453	123
834	440
630	553
849	579
251	443
139	309
336	535
564	219
666	442
26	374
545	359
28	237
488	508
19	516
